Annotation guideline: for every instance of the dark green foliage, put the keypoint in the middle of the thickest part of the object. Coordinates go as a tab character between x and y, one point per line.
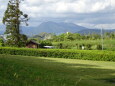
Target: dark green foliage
23	40
63	46
60	45
45	43
88	46
78	46
99	47
1	42
62	53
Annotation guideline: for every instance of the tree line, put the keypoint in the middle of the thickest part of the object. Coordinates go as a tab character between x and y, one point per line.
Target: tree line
76	36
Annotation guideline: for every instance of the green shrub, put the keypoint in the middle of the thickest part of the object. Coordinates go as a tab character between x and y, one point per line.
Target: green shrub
62	53
45	43
99	47
88	46
60	45
1	42
64	46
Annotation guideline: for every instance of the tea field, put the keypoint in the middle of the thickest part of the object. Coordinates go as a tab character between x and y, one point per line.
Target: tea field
109	44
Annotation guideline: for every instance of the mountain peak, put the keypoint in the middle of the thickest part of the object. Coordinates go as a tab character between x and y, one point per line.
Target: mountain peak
56	27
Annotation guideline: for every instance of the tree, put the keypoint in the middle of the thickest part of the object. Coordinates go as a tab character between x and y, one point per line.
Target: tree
12	19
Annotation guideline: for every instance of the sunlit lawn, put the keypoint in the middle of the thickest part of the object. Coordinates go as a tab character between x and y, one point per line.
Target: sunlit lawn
40	71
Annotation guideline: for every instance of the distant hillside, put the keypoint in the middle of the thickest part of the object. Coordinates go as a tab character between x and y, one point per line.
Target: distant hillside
96	31
53	27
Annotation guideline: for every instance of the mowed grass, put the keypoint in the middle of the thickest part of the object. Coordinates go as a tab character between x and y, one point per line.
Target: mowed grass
40	71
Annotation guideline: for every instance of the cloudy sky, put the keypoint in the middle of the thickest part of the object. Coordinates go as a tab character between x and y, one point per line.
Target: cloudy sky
89	13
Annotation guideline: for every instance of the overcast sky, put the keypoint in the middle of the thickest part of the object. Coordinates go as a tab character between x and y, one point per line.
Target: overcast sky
89	13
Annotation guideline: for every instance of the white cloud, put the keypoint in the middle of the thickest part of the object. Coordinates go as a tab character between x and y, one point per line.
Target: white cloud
65	6
43	8
81	11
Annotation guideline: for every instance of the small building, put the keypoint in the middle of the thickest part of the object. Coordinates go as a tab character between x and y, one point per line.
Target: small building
32	44
49	47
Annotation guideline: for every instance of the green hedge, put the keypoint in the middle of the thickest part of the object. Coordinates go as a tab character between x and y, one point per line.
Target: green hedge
62	53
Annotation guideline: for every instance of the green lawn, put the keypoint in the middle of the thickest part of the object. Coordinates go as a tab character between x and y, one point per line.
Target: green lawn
40	71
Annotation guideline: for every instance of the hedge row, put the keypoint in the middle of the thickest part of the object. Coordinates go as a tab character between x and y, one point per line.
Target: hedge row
62	53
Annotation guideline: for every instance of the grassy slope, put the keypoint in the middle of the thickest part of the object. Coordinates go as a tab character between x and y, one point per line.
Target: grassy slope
39	71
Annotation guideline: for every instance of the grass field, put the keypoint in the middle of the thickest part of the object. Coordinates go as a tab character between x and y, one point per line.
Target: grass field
40	71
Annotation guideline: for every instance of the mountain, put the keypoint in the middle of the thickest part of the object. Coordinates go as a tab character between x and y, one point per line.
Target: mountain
53	27
96	31
57	28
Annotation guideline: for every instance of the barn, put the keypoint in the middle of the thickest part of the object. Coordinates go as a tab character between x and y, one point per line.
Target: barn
32	44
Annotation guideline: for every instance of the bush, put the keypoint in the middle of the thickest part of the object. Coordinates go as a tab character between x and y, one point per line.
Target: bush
88	46
64	46
45	43
62	53
60	45
99	47
94	47
1	42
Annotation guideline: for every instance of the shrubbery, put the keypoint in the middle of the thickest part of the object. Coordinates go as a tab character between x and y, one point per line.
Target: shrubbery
45	43
62	53
79	46
1	42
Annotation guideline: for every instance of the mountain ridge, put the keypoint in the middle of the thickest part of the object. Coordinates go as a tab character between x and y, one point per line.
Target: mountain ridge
53	27
57	28
96	31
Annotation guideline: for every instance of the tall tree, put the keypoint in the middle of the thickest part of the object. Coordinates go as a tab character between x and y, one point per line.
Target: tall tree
12	19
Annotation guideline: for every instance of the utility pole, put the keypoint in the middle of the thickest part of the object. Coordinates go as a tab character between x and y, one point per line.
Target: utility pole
102	38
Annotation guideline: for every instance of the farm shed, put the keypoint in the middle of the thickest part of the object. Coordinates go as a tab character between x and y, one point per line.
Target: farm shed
32	44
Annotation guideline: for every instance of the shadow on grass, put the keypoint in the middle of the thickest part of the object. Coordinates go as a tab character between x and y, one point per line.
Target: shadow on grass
48	72
82	70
